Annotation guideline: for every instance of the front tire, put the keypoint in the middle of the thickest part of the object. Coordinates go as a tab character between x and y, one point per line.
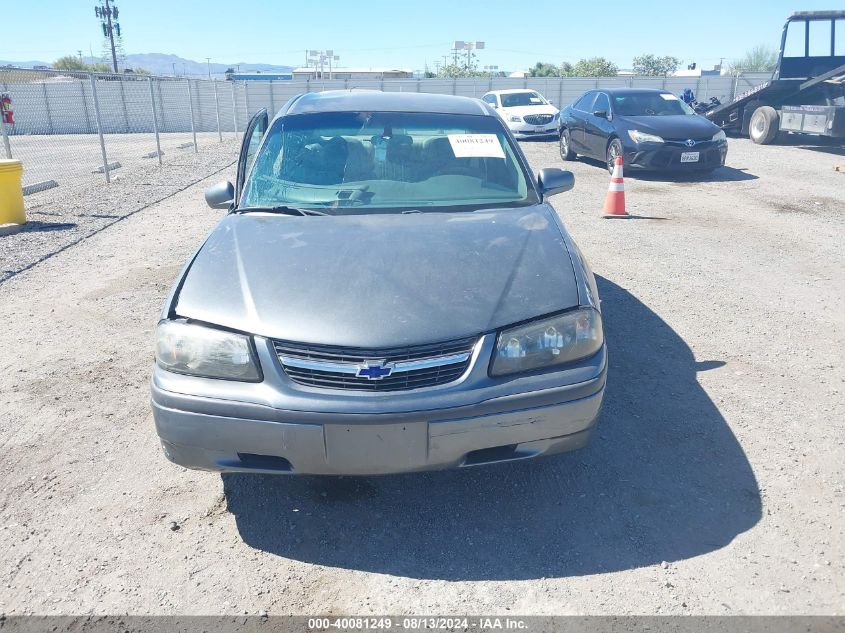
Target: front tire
764	125
566	152
614	149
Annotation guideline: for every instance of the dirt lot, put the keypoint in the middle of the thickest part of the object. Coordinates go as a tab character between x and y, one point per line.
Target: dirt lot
70	159
714	485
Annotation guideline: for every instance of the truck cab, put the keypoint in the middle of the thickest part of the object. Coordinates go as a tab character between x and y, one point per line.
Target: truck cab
806	93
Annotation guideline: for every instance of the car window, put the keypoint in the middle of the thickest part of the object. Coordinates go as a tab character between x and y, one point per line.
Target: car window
491	99
819	41
517	99
602	103
356	162
585	102
649	104
795	43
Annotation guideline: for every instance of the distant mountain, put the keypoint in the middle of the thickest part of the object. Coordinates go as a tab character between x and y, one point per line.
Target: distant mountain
29	64
163	64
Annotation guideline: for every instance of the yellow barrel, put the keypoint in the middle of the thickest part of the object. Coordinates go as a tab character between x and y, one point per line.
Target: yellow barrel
11	193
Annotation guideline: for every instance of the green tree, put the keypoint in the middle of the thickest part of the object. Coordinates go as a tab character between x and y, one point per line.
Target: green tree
654	66
567	69
69	62
466	66
542	69
760	59
595	67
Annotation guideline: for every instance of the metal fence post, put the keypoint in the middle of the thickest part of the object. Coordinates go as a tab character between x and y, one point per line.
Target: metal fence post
235	109
85	105
100	128
155	120
47	108
272	101
5	135
193	125
217	109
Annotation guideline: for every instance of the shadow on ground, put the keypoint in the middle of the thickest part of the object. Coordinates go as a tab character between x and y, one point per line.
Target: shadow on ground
823	144
664	479
720	174
35	226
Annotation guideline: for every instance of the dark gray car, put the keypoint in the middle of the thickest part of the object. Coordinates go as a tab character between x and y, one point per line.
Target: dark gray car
389	292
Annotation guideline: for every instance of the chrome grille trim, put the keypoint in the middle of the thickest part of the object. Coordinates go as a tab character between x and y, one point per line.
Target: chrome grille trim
538	119
352	368
412	367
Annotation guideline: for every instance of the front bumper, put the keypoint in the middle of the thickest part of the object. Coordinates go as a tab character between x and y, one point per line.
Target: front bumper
433	432
667	156
526	130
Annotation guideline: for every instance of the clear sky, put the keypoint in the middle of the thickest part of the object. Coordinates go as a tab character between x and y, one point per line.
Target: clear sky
400	33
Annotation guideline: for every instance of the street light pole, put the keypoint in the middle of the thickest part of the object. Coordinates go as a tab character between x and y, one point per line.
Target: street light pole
208	61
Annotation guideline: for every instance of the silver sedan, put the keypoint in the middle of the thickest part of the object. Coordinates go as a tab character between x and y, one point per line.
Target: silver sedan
389	292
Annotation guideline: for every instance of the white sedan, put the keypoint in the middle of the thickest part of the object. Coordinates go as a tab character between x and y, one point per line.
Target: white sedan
527	113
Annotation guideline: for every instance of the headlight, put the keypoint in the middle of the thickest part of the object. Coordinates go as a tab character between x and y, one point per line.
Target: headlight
200	351
515	119
554	341
642	137
719	136
556	116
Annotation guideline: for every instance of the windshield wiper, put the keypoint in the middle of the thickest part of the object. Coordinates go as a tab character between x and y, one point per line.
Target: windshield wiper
285	209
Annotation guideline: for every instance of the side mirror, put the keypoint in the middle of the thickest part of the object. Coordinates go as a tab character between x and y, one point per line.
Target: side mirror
221	195
602	114
552	180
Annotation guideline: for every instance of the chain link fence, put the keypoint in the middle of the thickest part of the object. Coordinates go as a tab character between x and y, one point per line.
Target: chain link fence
69	127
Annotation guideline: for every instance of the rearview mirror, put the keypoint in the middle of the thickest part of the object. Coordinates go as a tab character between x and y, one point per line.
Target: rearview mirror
221	195
552	180
602	114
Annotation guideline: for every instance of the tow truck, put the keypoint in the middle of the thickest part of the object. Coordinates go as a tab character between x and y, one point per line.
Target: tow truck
806	93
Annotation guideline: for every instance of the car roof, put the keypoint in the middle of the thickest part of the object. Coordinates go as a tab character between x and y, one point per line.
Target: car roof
377	101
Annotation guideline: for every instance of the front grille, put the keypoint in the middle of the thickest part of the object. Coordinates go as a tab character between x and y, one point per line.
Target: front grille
678	142
411	367
537	119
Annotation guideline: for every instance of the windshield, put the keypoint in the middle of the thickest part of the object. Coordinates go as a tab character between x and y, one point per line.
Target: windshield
650	104
359	162
515	99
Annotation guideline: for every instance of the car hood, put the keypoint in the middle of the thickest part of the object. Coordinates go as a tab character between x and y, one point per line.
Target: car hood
379	280
523	110
679	126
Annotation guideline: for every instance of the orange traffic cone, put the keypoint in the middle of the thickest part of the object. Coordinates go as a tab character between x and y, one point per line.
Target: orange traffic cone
614	202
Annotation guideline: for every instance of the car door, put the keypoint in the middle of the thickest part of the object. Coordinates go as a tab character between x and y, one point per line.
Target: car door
597	129
576	122
255	131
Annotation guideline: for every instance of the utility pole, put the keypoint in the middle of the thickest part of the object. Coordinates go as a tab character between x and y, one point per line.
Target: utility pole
108	15
208	61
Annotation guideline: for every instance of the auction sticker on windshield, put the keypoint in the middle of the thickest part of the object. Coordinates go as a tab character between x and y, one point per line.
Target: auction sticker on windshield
476	146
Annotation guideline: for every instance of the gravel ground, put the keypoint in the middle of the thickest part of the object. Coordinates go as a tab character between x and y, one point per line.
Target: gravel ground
70	159
61	217
713	486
